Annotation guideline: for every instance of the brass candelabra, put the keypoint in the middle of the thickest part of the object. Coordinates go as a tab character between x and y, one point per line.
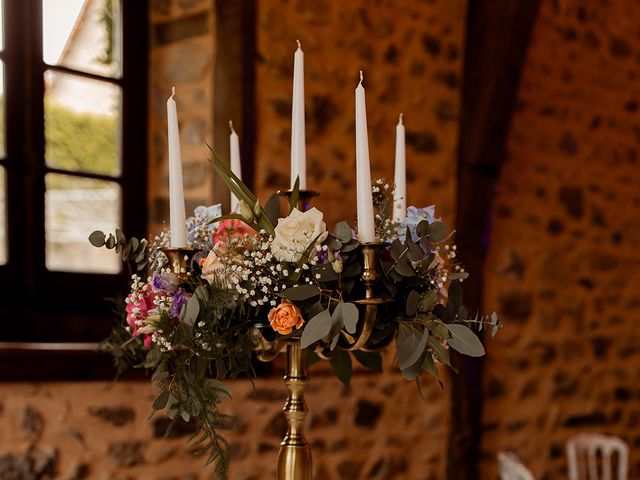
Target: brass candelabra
294	457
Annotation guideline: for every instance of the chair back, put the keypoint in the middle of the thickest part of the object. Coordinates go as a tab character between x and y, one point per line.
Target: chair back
590	457
511	468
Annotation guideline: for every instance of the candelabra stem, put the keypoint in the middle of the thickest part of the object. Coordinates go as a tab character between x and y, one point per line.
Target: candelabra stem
294	457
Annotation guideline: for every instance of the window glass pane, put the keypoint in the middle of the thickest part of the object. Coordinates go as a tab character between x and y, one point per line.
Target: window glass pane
3	219
82	119
75	207
82	34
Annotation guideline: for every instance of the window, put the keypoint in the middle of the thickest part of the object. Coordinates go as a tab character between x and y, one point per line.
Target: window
73	160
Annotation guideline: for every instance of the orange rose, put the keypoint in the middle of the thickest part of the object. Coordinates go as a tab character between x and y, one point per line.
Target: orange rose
284	317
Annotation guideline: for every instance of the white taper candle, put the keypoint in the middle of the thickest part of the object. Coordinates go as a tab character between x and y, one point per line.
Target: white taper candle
236	167
366	225
177	216
400	178
298	147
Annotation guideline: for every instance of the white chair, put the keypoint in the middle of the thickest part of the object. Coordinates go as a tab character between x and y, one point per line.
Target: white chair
511	468
583	451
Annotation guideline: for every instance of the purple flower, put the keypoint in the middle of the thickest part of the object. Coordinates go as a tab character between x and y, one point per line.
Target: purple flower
323	256
180	299
414	217
166	282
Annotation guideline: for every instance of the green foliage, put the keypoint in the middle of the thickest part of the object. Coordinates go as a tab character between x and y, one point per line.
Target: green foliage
135	253
80	141
108	20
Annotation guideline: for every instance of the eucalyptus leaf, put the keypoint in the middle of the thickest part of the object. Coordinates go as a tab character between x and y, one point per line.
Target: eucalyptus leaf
422	228
370	360
350	316
316	329
427	300
333	243
439	350
341	366
464	340
342	231
438	231
410	346
120	237
412	371
159	375
397	249
404	269
412	303
202	293
438	329
161	400
301	292
97	238
326	272
191	310
110	242
337	323
350	246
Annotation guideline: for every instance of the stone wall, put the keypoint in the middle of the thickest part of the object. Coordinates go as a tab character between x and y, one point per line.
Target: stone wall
563	268
411	55
378	429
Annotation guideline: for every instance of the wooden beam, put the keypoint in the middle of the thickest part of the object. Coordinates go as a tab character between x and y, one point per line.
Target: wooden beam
498	33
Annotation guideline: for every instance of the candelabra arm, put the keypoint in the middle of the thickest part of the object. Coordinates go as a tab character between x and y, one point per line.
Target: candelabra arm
294	457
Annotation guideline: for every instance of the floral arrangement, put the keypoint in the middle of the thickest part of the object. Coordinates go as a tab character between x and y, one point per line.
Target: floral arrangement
258	279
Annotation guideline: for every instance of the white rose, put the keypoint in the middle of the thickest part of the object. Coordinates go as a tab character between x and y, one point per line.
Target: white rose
296	232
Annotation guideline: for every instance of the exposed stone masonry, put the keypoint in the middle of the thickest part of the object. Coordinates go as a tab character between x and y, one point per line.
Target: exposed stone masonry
379	429
563	268
411	55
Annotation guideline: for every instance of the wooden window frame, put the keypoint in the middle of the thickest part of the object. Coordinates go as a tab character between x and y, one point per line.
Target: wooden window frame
56	315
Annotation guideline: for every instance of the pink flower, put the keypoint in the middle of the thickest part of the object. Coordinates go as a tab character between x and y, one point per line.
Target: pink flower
139	303
230	228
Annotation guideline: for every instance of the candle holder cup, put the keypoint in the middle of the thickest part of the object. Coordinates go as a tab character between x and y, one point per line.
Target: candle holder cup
371	302
180	260
304	197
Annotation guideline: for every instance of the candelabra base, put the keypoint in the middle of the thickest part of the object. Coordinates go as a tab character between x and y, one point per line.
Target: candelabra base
294	457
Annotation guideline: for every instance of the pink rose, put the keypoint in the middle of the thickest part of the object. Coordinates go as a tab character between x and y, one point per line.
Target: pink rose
230	228
139	303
